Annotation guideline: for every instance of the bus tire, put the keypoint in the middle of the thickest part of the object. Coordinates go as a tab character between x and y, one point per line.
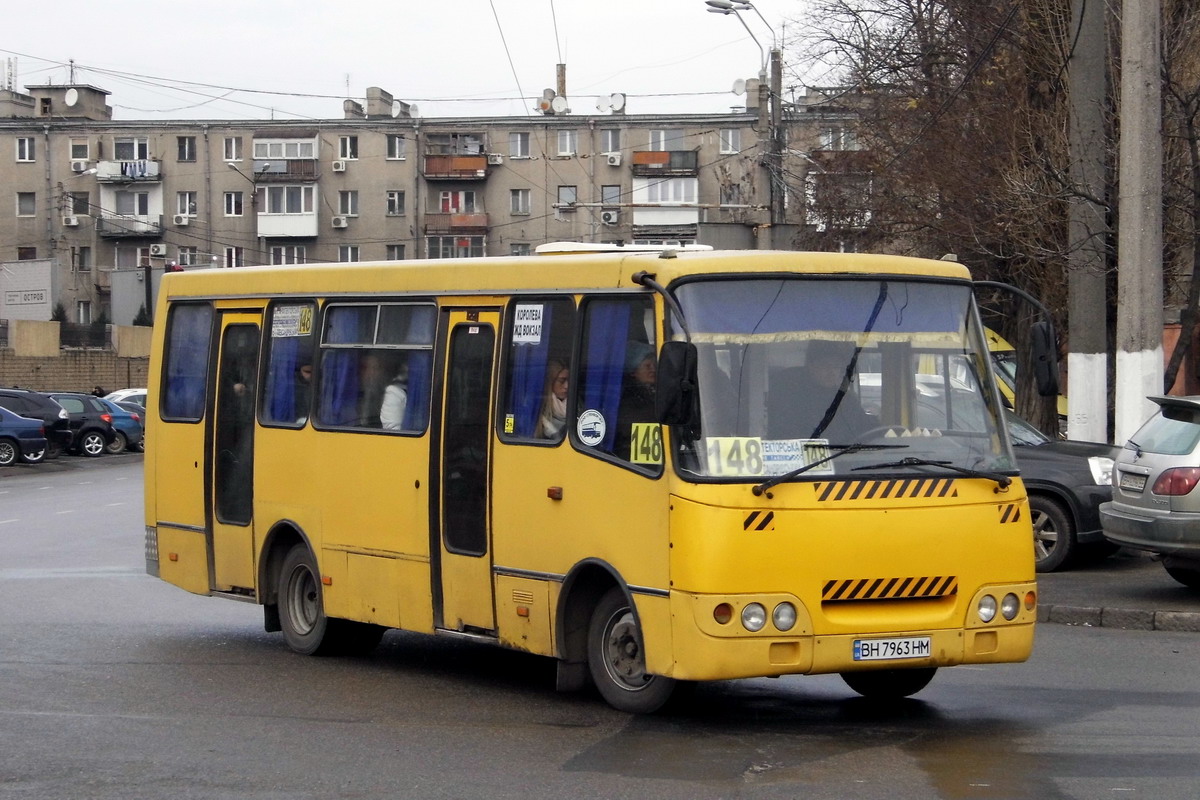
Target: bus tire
617	661
889	684
301	609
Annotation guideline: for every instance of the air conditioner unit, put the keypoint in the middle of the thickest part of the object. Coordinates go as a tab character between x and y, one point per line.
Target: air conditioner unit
614	159
78	166
339	166
610	217
158	249
182	219
495	158
339	222
70	221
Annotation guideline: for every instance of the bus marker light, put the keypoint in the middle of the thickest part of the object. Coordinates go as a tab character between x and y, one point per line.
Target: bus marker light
326	580
172	556
1030	600
723	613
522	611
554	493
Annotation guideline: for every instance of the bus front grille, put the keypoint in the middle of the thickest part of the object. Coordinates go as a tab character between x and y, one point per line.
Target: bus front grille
858	589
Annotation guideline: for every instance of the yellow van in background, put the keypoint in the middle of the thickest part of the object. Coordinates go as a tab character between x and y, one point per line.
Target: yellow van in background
1004	362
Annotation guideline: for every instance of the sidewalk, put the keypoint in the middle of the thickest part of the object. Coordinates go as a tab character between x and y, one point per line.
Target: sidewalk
1127	590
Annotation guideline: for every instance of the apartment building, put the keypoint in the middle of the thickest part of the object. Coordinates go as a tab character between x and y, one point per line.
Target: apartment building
93	201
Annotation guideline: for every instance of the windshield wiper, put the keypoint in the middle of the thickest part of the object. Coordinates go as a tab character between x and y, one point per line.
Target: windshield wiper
910	461
842	449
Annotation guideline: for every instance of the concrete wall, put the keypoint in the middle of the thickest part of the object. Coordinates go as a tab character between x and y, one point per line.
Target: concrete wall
34	360
32	338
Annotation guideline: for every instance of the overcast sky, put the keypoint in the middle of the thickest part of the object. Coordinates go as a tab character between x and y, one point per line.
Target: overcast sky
450	57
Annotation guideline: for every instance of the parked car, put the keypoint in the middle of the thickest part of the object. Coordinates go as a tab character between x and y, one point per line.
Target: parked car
21	439
91	422
35	405
1154	506
1067	481
128	396
128	426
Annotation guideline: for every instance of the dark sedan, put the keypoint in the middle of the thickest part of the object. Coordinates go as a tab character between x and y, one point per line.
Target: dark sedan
35	405
21	439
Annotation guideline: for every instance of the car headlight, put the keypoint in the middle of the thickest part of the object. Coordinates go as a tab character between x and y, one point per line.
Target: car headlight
1101	467
754	617
987	608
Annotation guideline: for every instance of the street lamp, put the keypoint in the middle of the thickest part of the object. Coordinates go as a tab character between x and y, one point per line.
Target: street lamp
253	182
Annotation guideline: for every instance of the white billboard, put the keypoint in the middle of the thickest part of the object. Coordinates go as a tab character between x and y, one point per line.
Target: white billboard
27	289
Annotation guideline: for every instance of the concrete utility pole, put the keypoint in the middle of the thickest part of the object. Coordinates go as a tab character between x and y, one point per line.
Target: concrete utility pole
778	184
1139	252
1087	361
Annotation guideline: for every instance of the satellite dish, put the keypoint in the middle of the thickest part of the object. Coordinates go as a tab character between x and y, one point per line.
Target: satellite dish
617	101
739	86
559	104
71	97
413	111
397	108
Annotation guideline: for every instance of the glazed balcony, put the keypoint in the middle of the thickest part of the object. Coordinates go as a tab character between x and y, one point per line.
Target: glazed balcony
676	163
448	167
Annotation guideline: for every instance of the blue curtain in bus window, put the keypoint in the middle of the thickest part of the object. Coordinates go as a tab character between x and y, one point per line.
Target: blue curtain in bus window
187	361
280	403
421	329
604	363
529	378
339	368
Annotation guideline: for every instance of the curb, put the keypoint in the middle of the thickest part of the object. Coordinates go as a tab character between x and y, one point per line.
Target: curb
1127	618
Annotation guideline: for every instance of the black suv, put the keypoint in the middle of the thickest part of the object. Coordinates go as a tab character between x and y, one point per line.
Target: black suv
36	405
91	424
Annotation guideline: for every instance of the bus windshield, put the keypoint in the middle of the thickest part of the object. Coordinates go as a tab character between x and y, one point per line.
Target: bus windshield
870	371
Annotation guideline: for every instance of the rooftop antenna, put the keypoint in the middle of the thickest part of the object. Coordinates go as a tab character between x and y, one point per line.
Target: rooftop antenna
71	70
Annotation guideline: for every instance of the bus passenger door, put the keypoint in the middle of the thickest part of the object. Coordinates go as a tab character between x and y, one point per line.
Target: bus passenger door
232	456
465	556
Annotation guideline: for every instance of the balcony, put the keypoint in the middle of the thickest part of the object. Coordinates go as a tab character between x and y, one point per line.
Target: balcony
116	226
441	167
286	170
287	225
143	171
438	222
650	163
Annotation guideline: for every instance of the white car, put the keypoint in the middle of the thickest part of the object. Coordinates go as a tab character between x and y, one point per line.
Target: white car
128	396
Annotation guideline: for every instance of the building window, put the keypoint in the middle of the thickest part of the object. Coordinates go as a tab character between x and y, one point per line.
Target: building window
348	252
568	196
731	141
26	204
25	148
348	203
81	203
568	142
666	140
81	258
187	147
289	200
395	252
185	203
26	253
80	150
395	203
520	200
454	246
457	202
610	140
235	257
289	254
348	147
131	149
610	195
233	148
520	249
189	256
233	204
83	311
132	204
671	191
397	147
518	145
285	148
837	138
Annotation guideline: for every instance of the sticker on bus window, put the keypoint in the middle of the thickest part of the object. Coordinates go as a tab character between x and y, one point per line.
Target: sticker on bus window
527	324
738	456
590	427
645	443
510	423
291	321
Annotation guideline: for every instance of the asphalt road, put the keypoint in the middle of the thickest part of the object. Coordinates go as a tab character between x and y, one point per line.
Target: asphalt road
116	685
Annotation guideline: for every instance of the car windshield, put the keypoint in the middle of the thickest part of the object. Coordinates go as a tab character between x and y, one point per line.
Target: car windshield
794	369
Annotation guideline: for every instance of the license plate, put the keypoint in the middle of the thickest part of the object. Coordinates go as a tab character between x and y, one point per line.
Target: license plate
889	649
1134	483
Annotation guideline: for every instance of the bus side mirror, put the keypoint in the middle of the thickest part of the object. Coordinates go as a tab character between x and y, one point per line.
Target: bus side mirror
676	394
1045	358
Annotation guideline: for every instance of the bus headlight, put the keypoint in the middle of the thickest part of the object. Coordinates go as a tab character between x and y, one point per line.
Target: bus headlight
754	617
784	616
1009	606
987	608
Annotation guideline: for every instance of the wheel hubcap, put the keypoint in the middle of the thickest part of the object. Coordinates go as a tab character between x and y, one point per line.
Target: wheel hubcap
303	600
1045	537
623	658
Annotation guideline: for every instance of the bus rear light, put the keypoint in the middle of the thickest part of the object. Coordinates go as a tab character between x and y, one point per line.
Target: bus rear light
723	613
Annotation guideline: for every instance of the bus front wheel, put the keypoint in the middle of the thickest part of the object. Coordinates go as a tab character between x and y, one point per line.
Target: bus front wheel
885	684
617	660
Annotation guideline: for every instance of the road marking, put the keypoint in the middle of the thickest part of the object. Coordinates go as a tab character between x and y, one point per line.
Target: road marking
68	511
110	505
6	521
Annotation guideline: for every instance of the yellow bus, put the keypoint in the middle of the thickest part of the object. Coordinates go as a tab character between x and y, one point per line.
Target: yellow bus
654	467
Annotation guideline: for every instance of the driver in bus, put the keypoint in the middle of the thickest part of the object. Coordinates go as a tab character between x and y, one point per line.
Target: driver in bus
825	404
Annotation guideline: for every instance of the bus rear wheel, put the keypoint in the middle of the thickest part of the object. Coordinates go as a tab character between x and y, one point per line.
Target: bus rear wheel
617	661
889	684
302	613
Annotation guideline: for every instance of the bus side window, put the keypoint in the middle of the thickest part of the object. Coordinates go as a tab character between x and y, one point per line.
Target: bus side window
539	333
287	390
185	371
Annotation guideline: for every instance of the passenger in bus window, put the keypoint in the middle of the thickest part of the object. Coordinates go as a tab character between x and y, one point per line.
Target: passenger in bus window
395	400
637	394
553	417
372	380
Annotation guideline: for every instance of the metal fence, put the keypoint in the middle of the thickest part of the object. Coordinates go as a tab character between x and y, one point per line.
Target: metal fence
77	334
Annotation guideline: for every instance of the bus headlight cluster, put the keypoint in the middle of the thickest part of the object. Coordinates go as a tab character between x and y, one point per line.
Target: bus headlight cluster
1009	607
754	616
